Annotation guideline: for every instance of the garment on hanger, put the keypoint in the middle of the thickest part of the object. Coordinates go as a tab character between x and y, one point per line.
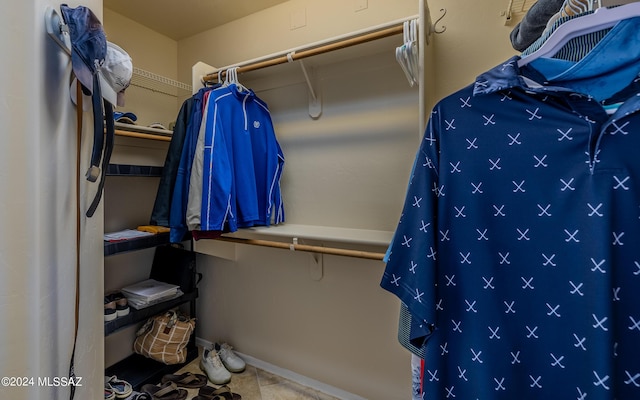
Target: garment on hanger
605	70
241	163
178	204
194	194
534	23
229	167
572	39
575	49
162	204
515	246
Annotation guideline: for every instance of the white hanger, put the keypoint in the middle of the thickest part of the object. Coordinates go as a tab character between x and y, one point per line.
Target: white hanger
401	53
407	54
578	6
233	79
224	82
601	18
414	51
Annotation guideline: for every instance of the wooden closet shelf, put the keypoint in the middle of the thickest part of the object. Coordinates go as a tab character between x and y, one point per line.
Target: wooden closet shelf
142	132
142	135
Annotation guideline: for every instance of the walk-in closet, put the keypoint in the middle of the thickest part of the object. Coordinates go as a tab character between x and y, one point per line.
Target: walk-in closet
348	120
320	200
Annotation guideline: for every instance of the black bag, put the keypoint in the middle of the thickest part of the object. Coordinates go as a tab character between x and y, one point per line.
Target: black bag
176	266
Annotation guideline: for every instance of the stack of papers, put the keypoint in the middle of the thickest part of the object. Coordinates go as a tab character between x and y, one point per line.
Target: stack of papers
146	293
126	234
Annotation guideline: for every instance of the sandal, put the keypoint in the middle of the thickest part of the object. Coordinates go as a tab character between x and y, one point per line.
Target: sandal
166	391
221	393
120	388
139	396
186	380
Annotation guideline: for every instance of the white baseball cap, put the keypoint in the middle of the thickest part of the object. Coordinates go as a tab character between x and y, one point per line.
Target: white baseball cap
115	74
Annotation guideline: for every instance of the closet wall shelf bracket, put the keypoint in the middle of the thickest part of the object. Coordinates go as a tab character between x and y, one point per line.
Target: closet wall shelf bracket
315	100
316	262
316	266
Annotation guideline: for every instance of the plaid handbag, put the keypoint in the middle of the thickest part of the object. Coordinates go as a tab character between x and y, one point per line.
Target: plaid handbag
164	337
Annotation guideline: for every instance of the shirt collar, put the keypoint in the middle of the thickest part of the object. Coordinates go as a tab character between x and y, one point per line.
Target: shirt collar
508	75
499	78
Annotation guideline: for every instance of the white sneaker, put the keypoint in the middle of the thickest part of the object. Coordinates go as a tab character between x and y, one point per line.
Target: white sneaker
229	358
211	365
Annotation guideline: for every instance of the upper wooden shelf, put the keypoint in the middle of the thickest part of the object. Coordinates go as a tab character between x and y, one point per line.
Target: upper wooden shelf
143	132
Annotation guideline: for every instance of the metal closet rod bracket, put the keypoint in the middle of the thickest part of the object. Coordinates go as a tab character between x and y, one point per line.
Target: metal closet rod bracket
315	101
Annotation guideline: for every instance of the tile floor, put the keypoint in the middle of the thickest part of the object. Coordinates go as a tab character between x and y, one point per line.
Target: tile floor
257	384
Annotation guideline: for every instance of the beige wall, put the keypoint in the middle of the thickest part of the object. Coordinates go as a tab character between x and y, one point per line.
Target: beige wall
476	39
348	168
151	52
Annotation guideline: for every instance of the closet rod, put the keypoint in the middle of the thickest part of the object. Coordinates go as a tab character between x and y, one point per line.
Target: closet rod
298	55
306	248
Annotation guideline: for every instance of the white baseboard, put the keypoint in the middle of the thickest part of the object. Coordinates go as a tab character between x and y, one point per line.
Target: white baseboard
290	375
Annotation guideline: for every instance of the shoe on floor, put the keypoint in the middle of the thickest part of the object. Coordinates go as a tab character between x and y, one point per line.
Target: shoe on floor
122	389
229	358
211	365
220	393
186	380
139	396
167	390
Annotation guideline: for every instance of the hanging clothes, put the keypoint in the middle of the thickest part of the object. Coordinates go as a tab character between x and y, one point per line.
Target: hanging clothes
188	112
515	247
178	196
534	23
576	49
228	170
241	165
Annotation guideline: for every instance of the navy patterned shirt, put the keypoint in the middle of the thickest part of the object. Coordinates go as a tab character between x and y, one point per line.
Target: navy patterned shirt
518	250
